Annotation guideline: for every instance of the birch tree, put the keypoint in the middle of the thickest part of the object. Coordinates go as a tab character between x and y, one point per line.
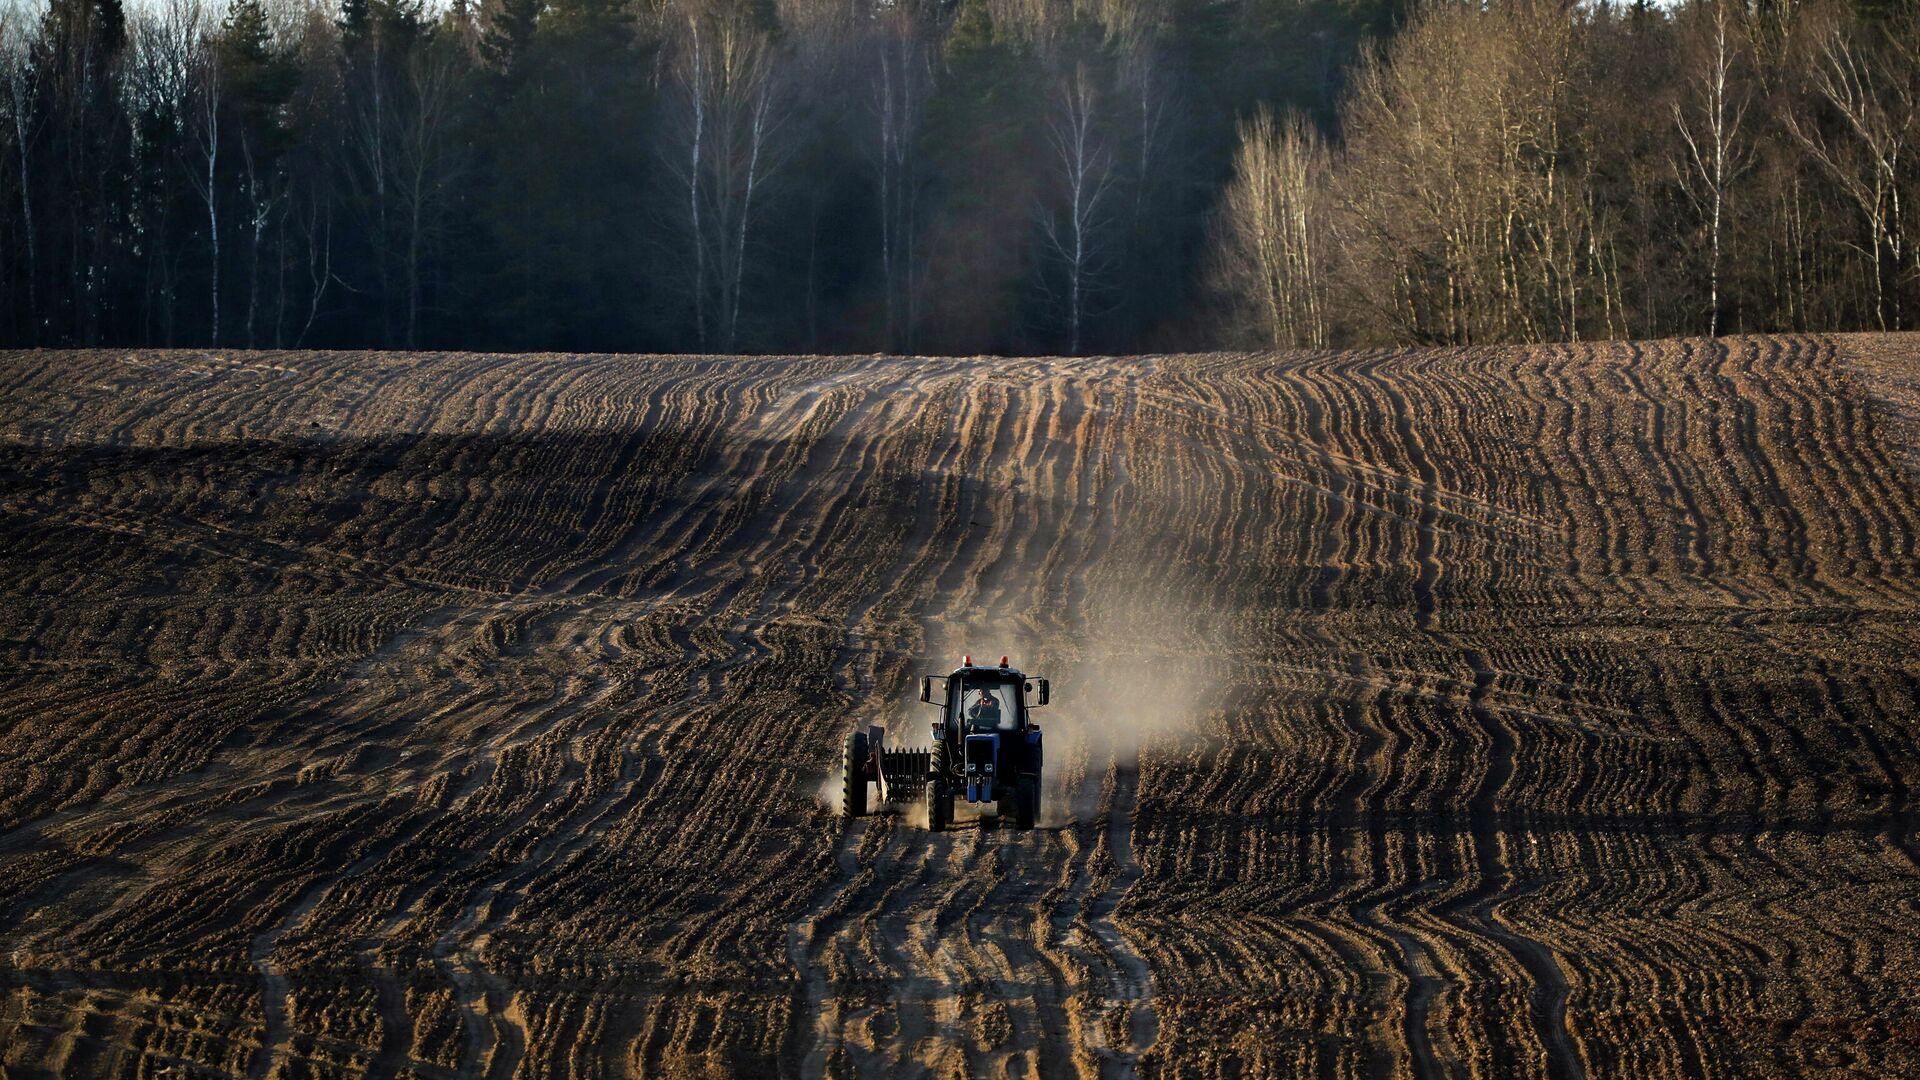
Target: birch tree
404	94
1082	160
426	161
203	170
1710	115
1270	256
1869	90
377	42
1464	205
902	77
258	78
724	77
20	83
1145	79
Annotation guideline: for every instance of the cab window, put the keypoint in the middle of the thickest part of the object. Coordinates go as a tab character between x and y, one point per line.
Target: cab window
988	706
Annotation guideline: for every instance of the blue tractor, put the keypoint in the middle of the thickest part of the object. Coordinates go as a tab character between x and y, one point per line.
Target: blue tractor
986	748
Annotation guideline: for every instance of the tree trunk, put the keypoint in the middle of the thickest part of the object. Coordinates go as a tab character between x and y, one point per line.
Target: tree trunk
213	212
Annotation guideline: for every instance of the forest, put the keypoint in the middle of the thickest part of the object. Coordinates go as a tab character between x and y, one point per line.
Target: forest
951	176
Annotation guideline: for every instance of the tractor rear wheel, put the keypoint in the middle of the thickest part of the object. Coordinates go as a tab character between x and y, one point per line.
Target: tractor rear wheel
853	775
939	806
1026	801
939	802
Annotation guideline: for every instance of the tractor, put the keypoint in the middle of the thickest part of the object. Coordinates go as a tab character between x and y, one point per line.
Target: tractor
985	748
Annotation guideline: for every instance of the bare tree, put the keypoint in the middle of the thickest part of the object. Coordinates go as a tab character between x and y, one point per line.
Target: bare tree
728	113
902	81
1419	194
203	170
260	73
265	194
1872	102
1269	253
20	82
370	87
316	112
1135	30
404	91
1710	115
1145	79
425	159
1083	164
165	77
1465	212
316	229
823	43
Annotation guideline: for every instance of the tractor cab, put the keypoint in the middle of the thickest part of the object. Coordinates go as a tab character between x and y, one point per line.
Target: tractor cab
982	705
980	699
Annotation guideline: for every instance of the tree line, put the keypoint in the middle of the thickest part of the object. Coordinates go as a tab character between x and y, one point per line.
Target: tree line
1533	172
950	175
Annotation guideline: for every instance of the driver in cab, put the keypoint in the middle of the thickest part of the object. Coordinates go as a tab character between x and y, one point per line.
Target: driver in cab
985	714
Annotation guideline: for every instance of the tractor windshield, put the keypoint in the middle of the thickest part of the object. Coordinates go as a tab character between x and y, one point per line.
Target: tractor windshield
993	706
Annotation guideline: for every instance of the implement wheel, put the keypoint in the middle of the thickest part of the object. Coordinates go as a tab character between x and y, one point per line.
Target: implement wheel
853	775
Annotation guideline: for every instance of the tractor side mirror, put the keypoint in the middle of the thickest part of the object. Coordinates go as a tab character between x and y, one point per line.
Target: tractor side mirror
926	689
1045	691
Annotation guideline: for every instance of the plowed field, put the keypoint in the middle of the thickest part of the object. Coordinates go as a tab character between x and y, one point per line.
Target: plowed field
1499	712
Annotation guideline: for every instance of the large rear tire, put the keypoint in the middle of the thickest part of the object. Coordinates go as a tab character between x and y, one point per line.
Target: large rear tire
853	775
939	801
939	806
1026	801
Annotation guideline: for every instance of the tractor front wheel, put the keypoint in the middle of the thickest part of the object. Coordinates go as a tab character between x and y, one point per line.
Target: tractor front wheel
1026	801
853	775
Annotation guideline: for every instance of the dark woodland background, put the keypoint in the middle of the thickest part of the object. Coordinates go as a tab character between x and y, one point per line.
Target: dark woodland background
951	175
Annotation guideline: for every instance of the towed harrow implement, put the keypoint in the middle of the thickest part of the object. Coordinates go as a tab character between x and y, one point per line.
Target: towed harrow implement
901	775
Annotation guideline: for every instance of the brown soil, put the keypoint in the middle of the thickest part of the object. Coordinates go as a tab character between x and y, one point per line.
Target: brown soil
1490	712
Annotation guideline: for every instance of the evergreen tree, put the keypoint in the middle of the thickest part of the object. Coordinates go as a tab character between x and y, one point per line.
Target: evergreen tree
983	133
509	26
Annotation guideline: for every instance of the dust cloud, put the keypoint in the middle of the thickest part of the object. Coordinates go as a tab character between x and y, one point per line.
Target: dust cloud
1134	676
830	791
